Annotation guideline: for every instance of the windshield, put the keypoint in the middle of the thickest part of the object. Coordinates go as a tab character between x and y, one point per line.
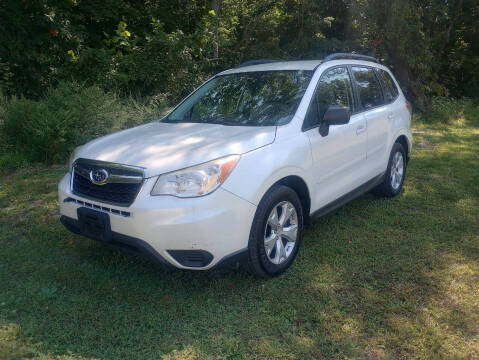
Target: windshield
260	98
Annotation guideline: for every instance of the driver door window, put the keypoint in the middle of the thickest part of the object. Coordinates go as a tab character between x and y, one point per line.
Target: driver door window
334	88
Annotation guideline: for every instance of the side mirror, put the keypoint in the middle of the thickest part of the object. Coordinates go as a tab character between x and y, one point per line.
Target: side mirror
337	115
334	115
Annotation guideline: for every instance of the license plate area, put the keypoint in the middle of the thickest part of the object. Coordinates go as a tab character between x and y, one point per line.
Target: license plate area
94	224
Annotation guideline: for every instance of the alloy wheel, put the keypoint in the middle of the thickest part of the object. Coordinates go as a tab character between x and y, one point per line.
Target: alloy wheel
397	170
281	232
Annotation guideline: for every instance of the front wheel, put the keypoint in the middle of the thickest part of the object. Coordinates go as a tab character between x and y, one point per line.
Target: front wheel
276	232
395	173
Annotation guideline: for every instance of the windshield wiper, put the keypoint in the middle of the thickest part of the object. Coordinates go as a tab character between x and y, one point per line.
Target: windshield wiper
201	121
220	120
225	123
170	121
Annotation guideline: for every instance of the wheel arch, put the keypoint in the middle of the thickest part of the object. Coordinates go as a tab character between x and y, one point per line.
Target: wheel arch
298	184
404	141
404	137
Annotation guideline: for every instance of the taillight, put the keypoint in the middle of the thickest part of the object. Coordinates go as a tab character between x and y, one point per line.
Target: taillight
409	107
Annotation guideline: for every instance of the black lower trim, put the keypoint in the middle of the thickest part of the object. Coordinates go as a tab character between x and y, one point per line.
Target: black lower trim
142	248
70	224
233	260
121	241
349	196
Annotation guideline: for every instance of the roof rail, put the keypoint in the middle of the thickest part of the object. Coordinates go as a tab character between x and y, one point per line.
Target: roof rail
256	62
338	56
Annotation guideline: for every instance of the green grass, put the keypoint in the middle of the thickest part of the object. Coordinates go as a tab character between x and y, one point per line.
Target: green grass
380	278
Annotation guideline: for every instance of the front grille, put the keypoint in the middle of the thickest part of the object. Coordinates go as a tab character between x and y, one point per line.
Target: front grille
121	187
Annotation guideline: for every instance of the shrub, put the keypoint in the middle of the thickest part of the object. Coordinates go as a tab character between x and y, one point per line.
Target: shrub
447	110
11	161
47	130
168	63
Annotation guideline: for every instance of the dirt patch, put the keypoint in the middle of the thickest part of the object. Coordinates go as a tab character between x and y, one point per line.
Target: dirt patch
422	131
424	145
36	203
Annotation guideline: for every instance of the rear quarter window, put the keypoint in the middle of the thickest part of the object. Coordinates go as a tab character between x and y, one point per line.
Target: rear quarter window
390	89
368	87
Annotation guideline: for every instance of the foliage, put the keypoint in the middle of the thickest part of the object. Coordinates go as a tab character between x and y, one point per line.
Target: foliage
449	111
378	279
47	130
167	63
125	50
151	48
429	44
10	161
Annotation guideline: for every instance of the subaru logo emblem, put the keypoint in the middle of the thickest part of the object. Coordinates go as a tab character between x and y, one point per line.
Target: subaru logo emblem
99	176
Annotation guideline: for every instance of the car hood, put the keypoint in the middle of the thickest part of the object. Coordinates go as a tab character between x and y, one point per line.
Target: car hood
164	147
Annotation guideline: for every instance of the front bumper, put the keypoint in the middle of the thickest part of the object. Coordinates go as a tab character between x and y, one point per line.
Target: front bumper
217	224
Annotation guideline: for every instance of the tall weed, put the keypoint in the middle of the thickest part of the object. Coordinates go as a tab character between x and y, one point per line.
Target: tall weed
448	110
47	130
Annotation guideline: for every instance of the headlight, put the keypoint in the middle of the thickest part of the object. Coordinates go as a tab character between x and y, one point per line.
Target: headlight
197	180
72	158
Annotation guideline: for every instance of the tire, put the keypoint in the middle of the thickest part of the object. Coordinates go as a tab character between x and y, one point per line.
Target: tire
395	173
266	257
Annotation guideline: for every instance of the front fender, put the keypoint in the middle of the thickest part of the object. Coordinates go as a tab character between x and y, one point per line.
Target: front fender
260	169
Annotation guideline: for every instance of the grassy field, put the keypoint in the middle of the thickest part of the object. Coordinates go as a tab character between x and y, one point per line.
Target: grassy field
377	279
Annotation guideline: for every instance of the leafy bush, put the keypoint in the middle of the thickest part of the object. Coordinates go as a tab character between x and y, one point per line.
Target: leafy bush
168	63
448	110
11	161
48	129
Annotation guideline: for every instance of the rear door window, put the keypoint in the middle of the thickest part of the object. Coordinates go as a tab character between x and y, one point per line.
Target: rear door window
368	87
391	92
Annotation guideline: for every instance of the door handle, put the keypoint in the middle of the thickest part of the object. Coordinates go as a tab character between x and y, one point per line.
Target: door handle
360	129
391	116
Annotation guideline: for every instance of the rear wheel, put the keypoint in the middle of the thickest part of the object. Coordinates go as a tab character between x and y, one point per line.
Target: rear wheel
276	232
395	173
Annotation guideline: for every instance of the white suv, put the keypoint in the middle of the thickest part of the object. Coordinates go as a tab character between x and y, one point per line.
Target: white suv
232	174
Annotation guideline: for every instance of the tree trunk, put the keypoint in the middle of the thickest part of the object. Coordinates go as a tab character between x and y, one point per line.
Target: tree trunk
413	89
215	5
